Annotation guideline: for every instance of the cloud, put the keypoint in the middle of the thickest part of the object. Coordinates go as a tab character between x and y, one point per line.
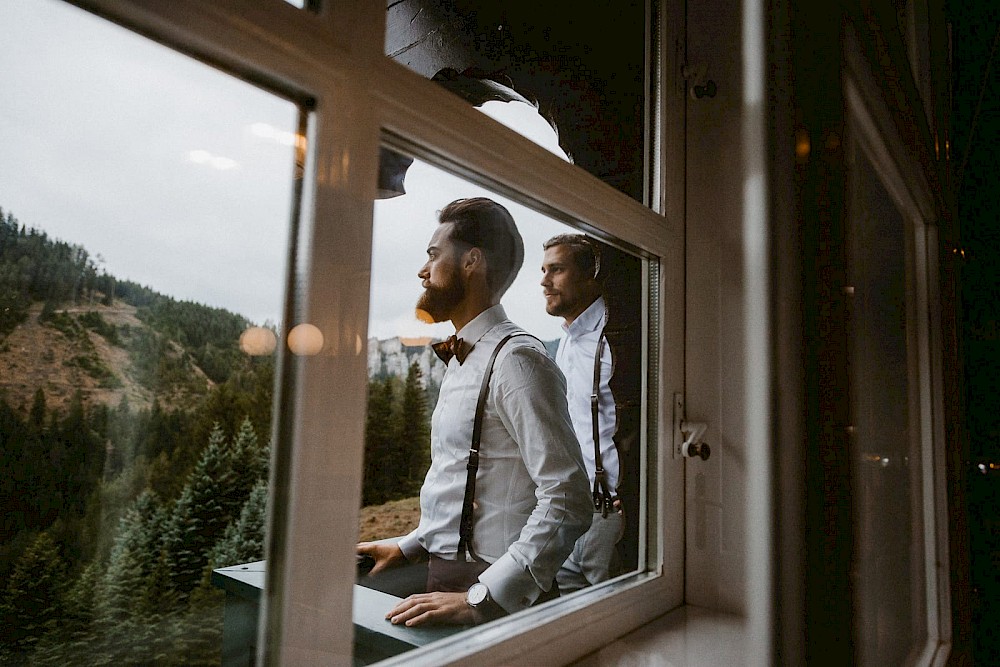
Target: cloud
180	176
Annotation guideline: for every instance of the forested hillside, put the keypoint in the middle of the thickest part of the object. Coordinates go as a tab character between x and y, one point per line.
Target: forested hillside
133	440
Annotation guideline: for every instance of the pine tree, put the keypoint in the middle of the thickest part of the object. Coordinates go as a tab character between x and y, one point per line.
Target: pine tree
31	604
414	430
249	466
74	641
13	434
378	486
123	617
201	514
243	541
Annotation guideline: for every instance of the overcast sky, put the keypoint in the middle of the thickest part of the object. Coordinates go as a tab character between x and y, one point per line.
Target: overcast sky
179	177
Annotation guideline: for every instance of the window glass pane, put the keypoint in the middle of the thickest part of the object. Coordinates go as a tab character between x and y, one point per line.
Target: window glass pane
419	417
890	570
145	214
585	70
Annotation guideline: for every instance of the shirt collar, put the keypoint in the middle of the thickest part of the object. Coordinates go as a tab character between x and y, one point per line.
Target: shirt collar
481	324
589	320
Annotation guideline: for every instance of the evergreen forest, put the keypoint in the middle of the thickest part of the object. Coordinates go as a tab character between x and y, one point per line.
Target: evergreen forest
115	513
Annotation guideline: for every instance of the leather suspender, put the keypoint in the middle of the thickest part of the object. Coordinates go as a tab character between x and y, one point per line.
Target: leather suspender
603	499
465	527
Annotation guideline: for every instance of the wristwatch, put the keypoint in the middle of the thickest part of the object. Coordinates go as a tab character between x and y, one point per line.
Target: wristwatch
479	599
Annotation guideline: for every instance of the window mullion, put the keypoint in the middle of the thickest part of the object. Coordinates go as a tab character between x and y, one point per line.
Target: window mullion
311	569
269	42
478	147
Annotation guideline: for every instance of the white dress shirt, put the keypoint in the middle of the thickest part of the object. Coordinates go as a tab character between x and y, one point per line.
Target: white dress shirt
532	500
575	358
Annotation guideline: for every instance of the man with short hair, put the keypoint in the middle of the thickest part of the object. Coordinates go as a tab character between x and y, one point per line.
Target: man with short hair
495	537
571	284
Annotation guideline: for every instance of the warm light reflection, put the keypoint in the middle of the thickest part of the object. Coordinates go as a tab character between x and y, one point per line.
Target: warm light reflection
420	341
258	341
423	316
214	161
802	145
305	340
281	137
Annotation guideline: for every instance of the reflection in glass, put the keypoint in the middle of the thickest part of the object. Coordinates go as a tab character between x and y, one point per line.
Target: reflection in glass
889	565
584	68
145	202
406	377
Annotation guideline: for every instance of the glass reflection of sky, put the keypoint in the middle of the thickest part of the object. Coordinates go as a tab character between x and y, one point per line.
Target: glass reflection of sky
155	162
108	144
403	226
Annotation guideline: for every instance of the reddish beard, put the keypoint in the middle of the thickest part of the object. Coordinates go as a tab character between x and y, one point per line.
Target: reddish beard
438	301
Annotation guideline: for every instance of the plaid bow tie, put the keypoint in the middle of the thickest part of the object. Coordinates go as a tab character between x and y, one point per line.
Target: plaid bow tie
452	347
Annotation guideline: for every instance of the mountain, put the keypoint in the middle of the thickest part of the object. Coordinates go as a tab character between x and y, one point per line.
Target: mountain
394	356
66	325
102	351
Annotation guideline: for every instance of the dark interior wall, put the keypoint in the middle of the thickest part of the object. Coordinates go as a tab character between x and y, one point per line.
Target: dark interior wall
581	63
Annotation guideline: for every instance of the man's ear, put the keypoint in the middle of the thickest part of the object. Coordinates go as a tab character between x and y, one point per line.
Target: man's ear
474	260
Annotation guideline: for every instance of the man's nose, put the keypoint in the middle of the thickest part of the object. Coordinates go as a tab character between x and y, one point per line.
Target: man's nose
423	273
545	282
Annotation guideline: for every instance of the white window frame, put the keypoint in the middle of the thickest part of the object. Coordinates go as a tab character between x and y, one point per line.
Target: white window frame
335	58
871	126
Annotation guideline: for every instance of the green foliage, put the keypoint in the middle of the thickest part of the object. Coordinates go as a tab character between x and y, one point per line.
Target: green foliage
414	429
92	365
13	311
31	603
397	438
62	321
117	513
93	321
34	267
149	600
161	366
243	541
210	335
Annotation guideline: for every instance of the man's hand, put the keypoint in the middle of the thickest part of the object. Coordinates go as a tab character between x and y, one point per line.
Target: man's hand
434	609
385	555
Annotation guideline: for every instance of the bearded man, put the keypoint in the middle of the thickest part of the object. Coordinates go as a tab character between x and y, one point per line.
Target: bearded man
506	495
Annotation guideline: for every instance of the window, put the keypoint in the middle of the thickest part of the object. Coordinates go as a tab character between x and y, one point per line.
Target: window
331	60
405	376
893	381
885	431
141	265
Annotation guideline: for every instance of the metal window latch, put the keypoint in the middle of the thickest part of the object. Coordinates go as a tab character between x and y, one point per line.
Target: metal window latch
692	445
700	85
687	434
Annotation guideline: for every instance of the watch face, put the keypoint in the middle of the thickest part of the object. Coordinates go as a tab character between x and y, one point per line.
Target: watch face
478	593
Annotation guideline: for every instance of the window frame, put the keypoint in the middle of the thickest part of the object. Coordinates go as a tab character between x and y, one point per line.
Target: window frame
873	134
333	59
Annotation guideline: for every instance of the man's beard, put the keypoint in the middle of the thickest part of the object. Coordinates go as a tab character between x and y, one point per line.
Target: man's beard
438	302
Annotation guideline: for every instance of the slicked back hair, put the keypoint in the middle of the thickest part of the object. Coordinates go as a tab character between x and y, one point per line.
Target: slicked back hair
482	223
585	251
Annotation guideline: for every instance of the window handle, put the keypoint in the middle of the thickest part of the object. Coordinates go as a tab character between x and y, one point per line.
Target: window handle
693	446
